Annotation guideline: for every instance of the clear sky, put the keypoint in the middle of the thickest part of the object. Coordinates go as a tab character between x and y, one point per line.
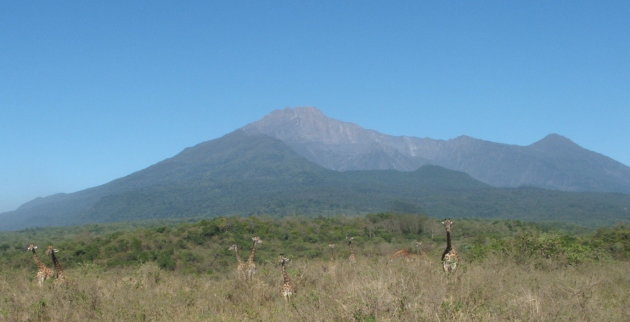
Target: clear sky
94	90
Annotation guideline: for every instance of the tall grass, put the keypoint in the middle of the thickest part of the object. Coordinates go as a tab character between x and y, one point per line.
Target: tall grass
372	289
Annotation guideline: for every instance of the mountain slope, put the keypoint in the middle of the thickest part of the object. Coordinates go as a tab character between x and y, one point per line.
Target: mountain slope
553	162
213	165
245	174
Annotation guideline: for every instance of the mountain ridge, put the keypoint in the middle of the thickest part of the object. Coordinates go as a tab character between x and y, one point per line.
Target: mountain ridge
554	162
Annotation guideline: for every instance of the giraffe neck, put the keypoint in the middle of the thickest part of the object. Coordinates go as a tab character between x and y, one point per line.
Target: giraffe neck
252	254
58	268
448	240
448	244
39	263
285	275
238	257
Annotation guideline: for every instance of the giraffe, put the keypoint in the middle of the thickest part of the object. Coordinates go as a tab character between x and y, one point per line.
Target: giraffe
251	266
332	252
407	254
59	274
449	257
288	288
240	268
352	258
43	272
418	246
331	265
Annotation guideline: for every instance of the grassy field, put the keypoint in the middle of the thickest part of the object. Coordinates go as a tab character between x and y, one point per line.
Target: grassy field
372	289
509	271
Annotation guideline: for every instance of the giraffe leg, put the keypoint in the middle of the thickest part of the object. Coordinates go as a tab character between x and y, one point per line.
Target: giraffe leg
40	280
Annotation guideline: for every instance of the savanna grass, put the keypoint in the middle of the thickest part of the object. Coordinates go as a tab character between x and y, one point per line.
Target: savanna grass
372	289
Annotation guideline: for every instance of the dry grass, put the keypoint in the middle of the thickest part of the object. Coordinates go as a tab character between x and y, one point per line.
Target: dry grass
373	289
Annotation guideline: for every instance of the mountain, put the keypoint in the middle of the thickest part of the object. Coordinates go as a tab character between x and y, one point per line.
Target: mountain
251	174
554	162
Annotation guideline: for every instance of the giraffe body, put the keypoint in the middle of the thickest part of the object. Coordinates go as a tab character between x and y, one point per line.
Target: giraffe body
43	272
449	261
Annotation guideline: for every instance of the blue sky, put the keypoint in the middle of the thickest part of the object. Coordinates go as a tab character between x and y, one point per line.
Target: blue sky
94	90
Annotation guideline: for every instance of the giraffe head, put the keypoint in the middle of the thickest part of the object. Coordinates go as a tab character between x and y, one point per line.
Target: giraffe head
31	248
283	260
447	224
233	247
257	240
51	250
